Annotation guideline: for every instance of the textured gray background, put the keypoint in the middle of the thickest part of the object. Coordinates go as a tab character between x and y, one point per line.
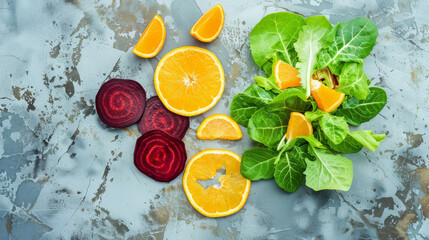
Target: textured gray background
63	174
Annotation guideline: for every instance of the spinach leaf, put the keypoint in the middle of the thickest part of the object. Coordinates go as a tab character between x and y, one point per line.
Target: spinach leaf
314	115
289	170
349	145
367	139
298	141
275	33
335	128
353	81
356	112
291	99
258	163
268	84
352	42
268	127
328	171
245	104
310	42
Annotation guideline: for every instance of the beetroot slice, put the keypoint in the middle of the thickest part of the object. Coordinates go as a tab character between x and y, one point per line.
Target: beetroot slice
157	117
120	102
159	155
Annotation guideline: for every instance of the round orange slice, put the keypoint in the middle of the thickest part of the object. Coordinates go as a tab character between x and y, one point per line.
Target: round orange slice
215	201
189	80
152	39
298	126
219	126
209	26
327	99
286	75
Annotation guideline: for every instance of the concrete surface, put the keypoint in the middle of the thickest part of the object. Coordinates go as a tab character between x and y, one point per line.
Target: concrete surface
65	175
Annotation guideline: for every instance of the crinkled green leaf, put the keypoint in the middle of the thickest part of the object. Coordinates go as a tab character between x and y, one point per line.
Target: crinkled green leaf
328	171
268	127
353	81
314	115
291	99
258	163
245	104
310	41
275	33
356	112
352	42
367	139
335	128
289	170
268	84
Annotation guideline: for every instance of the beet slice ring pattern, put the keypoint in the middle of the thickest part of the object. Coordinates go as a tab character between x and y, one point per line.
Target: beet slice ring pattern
120	102
157	117
160	156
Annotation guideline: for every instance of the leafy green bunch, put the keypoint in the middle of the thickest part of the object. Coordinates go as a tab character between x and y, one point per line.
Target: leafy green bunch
318	50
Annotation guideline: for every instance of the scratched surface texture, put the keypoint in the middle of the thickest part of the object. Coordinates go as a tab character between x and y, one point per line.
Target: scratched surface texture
66	175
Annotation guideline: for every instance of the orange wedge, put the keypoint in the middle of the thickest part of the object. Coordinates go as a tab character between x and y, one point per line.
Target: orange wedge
327	99
298	126
209	26
215	201
286	75
219	126
189	80
152	39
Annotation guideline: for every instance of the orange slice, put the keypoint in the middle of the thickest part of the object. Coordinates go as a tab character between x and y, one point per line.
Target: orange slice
216	201
189	80
327	99
219	126
298	126
152	39
209	26
286	75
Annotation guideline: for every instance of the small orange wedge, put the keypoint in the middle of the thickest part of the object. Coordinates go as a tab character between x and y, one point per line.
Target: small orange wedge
298	126
216	201
286	75
209	26
327	99
219	126
152	39
189	80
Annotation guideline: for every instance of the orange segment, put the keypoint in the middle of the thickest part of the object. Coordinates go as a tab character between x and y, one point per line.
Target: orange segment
189	80
327	99
286	75
152	39
209	26
219	126
298	126
216	201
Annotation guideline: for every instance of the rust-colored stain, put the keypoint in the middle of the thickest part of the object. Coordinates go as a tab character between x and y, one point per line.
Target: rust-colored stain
402	225
132	132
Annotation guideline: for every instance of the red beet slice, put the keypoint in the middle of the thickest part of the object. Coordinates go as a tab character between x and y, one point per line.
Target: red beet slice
157	117
159	155
120	102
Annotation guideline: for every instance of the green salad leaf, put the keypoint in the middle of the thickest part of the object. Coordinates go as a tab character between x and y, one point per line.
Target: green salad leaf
353	81
268	127
310	41
332	55
335	128
352	42
328	171
291	99
245	104
289	169
268	84
356	112
275	35
258	163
